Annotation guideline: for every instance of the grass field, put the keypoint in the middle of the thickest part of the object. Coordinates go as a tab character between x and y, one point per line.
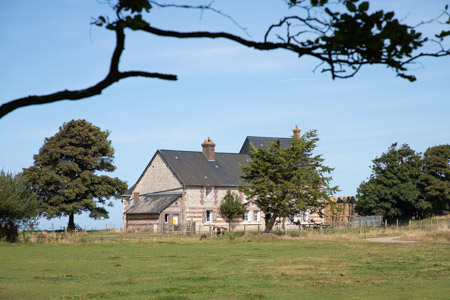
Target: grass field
329	266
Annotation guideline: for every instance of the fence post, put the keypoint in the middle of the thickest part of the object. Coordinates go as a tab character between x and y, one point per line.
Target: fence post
245	229
396	224
409	224
385	224
360	226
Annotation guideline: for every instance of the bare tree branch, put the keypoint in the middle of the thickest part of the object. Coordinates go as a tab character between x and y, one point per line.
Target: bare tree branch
113	76
202	8
232	37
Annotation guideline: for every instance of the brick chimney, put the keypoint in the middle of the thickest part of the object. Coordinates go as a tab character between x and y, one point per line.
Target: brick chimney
135	198
296	132
208	148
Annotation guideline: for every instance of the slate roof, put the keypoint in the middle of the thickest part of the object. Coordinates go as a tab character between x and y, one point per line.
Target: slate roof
262	142
153	203
193	168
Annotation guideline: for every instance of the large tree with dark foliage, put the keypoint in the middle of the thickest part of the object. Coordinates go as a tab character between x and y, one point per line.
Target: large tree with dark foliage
64	172
343	35
285	181
392	189
18	205
435	179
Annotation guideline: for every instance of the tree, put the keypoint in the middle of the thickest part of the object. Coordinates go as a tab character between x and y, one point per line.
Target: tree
64	172
435	179
343	35
392	189
231	207
285	181
18	205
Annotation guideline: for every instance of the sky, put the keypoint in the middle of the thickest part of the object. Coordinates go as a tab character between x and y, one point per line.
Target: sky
224	91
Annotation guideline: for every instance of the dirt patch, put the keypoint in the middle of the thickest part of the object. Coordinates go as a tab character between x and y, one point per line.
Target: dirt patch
390	239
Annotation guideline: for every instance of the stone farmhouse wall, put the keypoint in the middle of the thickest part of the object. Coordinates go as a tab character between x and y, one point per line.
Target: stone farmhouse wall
154	222
157	177
200	200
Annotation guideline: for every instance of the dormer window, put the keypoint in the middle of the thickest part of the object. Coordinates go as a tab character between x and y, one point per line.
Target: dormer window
208	191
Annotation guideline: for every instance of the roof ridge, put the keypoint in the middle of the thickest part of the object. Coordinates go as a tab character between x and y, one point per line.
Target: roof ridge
268	137
190	151
162	193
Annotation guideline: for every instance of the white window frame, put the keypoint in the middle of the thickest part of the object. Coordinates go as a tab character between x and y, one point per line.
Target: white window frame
256	215
166	218
246	215
208	216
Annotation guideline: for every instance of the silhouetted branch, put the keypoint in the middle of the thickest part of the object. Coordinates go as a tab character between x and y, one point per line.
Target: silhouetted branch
201	8
113	76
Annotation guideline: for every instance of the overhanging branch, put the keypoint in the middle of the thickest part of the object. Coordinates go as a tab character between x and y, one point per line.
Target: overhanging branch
113	76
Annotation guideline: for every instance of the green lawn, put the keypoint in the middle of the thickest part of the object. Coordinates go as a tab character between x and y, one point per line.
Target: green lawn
246	268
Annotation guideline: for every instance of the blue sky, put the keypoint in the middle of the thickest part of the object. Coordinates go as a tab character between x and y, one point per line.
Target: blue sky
224	91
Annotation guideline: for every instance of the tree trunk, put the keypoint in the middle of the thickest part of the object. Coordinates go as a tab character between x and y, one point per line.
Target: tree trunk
9	232
270	223
71	225
229	225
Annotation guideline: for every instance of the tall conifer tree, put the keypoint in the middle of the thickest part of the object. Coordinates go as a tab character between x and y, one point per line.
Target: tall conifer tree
64	172
285	181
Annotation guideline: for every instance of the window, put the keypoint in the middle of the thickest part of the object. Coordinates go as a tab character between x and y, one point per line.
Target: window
256	216
293	218
246	216
208	216
208	191
166	218
306	216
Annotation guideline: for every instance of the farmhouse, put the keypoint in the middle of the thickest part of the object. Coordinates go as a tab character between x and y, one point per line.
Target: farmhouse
178	188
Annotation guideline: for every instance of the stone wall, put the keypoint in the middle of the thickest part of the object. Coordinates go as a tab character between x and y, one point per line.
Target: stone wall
157	177
142	223
175	209
199	200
